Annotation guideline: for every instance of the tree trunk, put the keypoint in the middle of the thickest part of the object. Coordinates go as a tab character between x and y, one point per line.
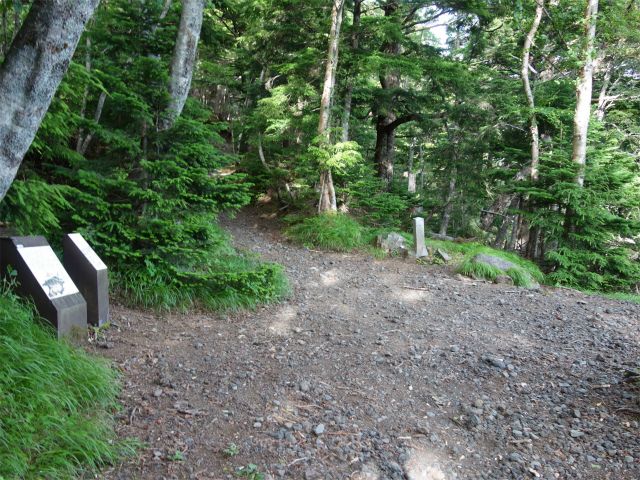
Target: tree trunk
5	46
327	202
446	216
602	98
499	241
583	93
32	70
502	200
355	41
96	119
385	147
533	124
183	60
411	183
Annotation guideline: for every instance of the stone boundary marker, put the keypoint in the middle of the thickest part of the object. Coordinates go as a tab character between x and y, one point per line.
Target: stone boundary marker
41	276
89	273
418	237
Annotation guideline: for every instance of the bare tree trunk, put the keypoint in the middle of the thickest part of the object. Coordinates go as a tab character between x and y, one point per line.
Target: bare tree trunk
602	98
32	70
5	46
446	216
85	96
355	41
16	22
183	60
583	93
533	124
261	154
327	202
502	200
96	120
421	160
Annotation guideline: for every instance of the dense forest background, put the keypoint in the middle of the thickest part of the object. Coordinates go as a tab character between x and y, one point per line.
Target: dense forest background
354	107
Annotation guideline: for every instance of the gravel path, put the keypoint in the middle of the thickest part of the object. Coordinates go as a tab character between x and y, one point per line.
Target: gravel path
378	369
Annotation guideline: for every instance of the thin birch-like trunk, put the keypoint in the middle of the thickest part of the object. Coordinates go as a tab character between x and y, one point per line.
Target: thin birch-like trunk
85	96
355	42
96	120
602	98
327	200
449	207
533	124
31	72
583	93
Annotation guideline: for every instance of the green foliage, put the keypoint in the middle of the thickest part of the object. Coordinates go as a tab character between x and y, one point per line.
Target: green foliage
232	450
251	472
336	232
32	206
147	200
56	404
478	269
591	243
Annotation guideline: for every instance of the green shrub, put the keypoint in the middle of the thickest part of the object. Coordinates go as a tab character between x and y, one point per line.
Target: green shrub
335	232
56	403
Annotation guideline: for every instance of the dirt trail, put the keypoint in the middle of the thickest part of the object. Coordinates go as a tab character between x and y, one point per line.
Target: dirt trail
381	369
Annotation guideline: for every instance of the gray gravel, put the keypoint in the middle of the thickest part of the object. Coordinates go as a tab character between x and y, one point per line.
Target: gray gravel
357	376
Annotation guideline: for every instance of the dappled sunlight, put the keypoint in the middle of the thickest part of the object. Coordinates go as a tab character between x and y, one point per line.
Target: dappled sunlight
329	278
413	296
425	465
282	321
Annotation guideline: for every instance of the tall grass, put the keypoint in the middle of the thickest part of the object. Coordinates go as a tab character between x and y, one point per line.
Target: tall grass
227	282
56	403
334	232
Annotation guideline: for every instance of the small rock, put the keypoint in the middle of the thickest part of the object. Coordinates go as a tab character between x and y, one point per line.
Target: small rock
319	430
503	280
443	255
305	386
158	392
311	474
473	421
576	433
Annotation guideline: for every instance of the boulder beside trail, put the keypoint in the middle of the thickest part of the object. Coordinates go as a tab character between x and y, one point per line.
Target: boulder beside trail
503	279
504	265
496	262
443	255
391	242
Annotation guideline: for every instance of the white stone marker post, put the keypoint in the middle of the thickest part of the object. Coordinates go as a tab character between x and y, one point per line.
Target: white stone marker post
418	237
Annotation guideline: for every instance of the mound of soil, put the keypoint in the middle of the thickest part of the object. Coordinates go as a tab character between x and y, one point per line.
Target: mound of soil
378	369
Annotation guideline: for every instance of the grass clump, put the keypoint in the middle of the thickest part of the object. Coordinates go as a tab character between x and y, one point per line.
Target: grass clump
478	269
56	403
227	282
335	232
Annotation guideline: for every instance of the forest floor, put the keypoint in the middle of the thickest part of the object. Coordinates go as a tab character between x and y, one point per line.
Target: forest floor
377	369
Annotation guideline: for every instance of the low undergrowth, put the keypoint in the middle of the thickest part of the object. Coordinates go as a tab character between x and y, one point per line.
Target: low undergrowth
56	403
345	233
334	232
226	282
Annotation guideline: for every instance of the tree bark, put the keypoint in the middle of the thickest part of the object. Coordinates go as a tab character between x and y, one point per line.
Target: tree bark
502	200
355	42
327	202
533	124
32	70
583	93
446	216
96	119
183	60
602	98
